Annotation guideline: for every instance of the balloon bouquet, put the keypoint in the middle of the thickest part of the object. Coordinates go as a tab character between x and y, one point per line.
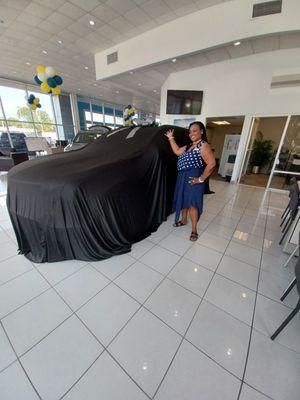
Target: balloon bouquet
128	115
33	102
48	80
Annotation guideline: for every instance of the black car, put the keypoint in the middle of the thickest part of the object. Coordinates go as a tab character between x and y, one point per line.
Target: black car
94	203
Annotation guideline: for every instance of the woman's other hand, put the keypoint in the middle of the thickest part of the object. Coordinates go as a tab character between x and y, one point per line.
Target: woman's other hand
170	133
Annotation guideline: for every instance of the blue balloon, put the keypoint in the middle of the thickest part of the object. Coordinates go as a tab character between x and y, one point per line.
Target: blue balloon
39	105
58	80
51	82
30	100
129	106
37	81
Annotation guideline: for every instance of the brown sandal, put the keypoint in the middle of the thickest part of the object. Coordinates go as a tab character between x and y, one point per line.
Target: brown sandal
179	223
194	236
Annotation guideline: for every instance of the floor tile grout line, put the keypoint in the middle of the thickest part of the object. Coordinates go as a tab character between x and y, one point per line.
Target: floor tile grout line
253	313
19	361
24	304
15	277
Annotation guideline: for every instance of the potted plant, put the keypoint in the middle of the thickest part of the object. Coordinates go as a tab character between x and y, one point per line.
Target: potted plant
261	153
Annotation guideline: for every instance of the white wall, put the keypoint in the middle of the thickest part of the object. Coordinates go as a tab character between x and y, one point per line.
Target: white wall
213	26
240	87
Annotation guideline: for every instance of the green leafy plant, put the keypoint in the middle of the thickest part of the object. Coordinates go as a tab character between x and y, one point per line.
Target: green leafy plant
262	151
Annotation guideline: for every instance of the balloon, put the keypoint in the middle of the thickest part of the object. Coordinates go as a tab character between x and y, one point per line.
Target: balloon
51	82
41	76
30	100
45	87
129	106
40	68
39	105
58	79
36	101
37	81
50	72
56	90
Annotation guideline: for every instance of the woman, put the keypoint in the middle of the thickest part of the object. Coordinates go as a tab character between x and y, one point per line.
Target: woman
195	163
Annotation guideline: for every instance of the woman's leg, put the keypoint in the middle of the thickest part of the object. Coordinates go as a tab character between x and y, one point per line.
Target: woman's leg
184	215
193	211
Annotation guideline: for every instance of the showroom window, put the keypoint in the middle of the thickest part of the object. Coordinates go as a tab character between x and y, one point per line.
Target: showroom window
92	112
52	121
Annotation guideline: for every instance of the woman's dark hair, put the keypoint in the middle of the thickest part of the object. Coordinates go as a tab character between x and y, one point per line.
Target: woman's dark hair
203	129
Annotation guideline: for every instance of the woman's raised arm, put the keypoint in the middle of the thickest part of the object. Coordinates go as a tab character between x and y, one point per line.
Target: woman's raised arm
176	149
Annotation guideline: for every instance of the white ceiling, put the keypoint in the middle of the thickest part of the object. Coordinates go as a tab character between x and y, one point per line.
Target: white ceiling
29	27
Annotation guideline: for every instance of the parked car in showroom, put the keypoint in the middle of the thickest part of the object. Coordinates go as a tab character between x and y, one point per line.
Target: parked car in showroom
94	203
84	137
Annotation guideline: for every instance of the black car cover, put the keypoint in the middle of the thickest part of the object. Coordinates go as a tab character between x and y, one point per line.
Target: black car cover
93	203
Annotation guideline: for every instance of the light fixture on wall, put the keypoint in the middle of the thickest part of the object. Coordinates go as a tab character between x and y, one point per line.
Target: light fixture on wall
45	52
92	22
174	60
86	67
27	63
237	43
221	122
59	41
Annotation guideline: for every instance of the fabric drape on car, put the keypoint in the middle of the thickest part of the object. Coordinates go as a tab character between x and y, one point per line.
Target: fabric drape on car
94	203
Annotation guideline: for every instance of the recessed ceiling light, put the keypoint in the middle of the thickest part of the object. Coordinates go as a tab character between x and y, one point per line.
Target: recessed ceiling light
86	67
131	72
28	63
95	84
221	122
92	22
174	60
154	90
79	89
60	41
14	72
45	51
139	84
117	92
237	43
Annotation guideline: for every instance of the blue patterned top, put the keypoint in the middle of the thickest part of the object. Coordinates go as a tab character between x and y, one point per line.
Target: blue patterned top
191	159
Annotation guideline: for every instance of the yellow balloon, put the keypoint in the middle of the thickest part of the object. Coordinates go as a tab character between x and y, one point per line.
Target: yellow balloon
56	90
33	106
36	101
40	68
45	87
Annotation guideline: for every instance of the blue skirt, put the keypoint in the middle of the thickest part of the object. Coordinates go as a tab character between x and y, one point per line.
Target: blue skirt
187	195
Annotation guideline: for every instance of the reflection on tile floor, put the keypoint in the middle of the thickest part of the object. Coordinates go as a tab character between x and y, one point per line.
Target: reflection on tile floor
172	320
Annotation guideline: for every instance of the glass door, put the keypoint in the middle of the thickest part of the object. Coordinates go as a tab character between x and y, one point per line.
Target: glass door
287	162
263	144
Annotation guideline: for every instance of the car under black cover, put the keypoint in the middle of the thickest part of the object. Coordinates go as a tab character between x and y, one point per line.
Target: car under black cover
96	202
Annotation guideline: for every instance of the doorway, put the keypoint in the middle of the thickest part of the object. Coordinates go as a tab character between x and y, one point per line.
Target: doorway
263	144
223	135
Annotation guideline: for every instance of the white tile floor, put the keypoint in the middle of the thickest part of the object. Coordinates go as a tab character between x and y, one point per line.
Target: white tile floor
172	320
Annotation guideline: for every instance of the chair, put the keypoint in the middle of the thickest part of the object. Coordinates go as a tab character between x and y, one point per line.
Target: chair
291	210
295	281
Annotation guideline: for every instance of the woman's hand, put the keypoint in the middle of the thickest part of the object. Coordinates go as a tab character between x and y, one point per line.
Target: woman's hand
170	133
194	180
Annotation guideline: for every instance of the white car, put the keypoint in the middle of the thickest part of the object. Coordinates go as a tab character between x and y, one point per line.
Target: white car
83	138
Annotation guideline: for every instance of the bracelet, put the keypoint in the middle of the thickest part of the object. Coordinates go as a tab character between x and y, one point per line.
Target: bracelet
200	180
170	138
